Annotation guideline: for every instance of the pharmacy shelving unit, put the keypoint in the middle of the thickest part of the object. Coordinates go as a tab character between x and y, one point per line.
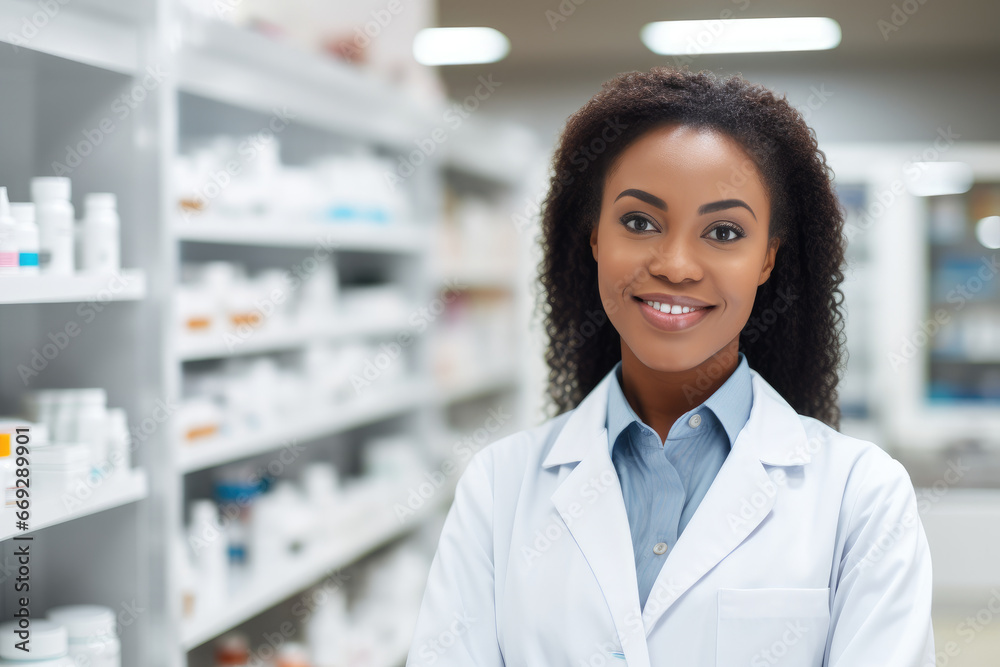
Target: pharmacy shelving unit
128	285
947	443
896	229
82	330
107	93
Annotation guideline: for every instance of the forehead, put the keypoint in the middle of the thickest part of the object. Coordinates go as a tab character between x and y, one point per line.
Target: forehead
685	160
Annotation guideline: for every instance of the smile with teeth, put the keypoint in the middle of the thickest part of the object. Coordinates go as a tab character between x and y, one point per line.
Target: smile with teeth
672	310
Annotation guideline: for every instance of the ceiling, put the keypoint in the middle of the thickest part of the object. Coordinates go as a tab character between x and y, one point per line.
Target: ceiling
603	35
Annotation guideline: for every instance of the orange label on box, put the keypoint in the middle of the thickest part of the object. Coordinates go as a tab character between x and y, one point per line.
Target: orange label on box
4	444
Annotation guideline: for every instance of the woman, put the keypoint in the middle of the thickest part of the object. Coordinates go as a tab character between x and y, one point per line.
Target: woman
693	503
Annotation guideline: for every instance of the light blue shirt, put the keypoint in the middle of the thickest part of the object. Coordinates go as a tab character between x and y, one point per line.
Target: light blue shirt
663	482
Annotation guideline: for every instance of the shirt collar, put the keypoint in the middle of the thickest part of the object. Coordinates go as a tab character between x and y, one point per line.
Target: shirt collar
730	403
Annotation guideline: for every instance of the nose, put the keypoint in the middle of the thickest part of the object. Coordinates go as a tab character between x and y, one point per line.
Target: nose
675	260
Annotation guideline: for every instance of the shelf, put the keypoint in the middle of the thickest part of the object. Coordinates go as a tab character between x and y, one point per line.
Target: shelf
476	278
475	386
394	238
152	68
371	528
127	285
974	359
130	487
229	64
335	419
395	655
491	150
194	348
72	34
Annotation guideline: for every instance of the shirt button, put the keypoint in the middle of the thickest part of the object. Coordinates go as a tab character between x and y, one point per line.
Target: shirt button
694	421
660	548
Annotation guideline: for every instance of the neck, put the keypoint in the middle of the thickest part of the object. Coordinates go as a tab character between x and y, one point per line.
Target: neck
659	398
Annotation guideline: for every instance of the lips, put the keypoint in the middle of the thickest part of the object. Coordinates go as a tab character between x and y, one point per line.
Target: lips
672	321
667	303
672	299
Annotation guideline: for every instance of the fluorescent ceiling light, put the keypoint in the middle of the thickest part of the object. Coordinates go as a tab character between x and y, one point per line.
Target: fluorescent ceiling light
807	33
939	178
459	46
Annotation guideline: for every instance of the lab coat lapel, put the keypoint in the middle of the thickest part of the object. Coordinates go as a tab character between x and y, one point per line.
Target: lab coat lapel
739	499
589	499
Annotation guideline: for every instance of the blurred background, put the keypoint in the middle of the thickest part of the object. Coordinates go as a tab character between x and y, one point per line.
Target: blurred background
269	278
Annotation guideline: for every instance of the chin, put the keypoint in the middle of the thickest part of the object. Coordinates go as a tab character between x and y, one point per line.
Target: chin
670	357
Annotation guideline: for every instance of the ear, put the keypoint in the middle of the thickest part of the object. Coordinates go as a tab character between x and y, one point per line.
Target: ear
769	258
593	242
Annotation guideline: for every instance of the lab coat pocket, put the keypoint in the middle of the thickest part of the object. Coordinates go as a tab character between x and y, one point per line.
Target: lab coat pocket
763	627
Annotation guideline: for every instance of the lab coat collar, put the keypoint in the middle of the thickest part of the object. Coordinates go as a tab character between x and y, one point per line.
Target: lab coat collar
729	403
784	444
590	501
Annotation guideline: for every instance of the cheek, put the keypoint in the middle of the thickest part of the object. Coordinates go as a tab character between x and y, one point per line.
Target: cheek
618	268
621	265
738	287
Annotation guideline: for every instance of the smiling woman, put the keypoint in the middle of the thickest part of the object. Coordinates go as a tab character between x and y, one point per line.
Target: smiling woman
693	144
709	511
691	267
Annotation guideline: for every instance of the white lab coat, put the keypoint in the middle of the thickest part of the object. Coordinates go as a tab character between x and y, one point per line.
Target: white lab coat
806	550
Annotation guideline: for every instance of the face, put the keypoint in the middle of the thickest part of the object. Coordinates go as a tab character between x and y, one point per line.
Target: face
684	221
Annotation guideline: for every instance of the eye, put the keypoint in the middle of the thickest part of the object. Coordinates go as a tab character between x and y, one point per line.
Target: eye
730	232
642	223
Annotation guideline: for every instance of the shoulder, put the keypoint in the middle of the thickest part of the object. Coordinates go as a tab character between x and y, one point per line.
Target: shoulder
870	478
527	448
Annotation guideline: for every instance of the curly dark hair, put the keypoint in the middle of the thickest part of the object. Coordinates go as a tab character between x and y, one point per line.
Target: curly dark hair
798	347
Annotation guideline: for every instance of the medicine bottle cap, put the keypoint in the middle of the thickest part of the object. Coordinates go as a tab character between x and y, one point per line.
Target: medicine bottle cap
90	397
293	654
204	512
84	621
232	649
48	640
50	187
23	212
100	200
39	434
5	205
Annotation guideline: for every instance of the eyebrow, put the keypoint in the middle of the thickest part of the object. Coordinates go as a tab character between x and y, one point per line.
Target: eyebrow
711	207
